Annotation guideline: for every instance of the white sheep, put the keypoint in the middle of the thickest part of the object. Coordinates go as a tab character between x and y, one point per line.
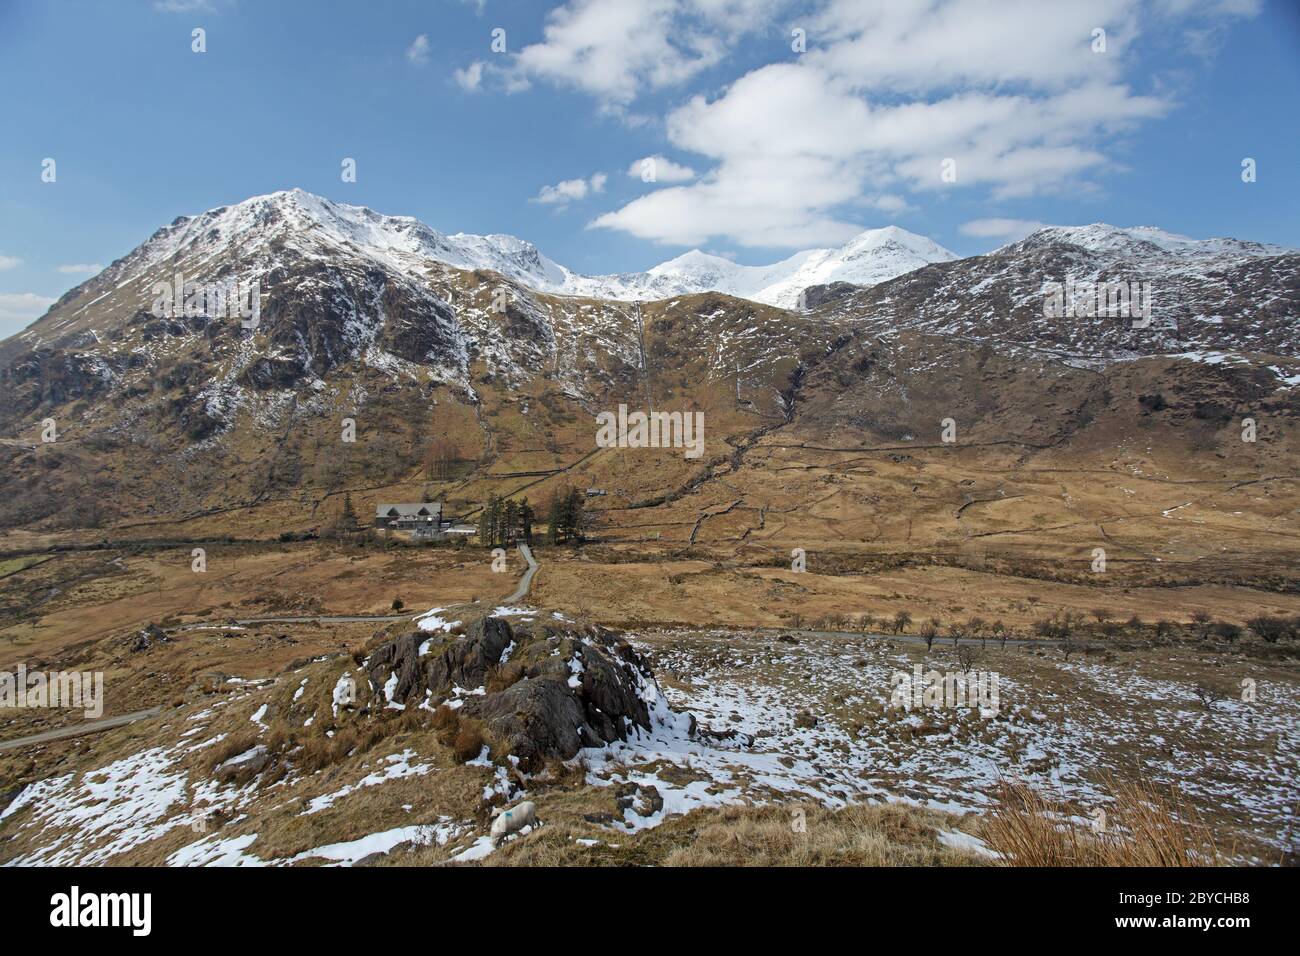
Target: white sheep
506	822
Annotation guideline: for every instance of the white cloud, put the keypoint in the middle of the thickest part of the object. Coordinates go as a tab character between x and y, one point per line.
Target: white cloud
616	49
471	77
1011	90
9	262
922	45
1247	8
1007	229
664	170
18	309
571	190
88	268
611	49
183	6
418	51
754	201
889	203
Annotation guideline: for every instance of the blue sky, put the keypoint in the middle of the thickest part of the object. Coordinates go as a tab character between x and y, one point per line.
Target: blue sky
761	150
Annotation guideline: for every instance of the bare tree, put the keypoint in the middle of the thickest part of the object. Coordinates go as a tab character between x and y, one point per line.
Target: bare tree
1208	695
439	458
1202	621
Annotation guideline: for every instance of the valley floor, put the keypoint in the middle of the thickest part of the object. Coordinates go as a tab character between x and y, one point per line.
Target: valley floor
793	721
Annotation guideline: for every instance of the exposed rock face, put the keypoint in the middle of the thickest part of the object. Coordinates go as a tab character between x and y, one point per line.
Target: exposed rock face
46	378
547	690
644	801
386	318
146	638
815	296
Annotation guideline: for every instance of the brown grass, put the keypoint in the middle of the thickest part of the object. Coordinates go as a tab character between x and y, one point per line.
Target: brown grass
499	678
446	724
857	835
319	751
1145	826
468	743
232	746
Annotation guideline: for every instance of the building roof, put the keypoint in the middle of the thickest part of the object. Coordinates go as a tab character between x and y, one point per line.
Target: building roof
418	509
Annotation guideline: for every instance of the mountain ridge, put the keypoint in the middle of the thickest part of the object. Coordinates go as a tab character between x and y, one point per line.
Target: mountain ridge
362	318
408	245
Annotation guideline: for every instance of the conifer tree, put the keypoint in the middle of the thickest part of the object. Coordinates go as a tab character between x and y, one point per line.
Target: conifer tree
526	517
347	523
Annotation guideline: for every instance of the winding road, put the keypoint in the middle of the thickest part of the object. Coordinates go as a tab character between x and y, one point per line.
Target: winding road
526	581
90	727
520	592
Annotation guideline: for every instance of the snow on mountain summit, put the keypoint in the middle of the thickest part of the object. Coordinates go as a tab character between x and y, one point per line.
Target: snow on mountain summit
1137	243
870	257
317	227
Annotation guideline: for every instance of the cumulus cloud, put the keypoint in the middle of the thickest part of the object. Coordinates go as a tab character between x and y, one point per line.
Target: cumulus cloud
88	268
1006	96
571	190
1006	229
184	6
9	262
659	169
418	51
615	50
19	309
471	77
888	203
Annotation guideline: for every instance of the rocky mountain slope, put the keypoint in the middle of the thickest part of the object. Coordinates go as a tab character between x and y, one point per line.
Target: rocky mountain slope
406	333
1212	300
251	239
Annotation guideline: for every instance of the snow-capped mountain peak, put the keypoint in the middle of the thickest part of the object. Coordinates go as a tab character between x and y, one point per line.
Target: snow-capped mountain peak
317	227
1136	243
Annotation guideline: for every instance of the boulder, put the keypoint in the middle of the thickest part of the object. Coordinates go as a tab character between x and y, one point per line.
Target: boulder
643	800
569	686
150	635
249	763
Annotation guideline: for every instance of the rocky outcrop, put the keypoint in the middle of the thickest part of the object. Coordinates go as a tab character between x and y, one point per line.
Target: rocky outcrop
150	635
642	800
543	689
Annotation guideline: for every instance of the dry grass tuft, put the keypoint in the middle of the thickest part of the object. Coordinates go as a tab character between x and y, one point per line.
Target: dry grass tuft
445	724
858	835
468	743
499	678
232	746
1143	827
